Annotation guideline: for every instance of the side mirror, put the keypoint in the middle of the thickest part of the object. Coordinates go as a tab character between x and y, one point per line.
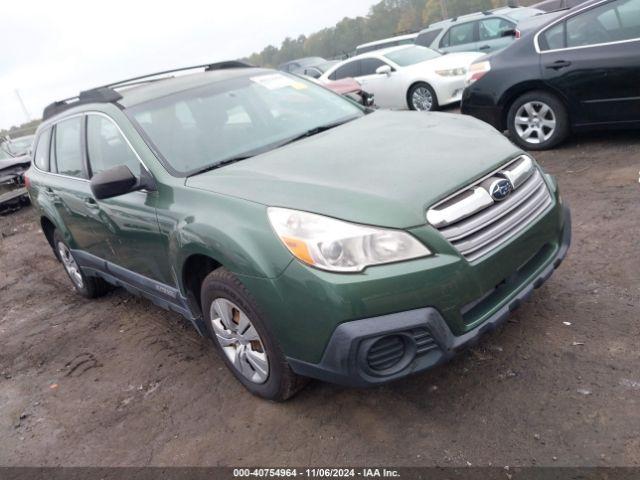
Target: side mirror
384	70
117	181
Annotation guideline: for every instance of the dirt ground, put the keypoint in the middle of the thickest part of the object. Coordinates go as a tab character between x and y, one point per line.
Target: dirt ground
118	381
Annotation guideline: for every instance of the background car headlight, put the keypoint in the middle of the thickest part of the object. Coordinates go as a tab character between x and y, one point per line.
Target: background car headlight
340	246
452	72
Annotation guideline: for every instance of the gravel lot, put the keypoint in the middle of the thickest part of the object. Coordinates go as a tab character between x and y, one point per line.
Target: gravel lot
118	381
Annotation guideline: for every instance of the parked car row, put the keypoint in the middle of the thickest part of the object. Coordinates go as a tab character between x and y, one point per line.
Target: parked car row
545	75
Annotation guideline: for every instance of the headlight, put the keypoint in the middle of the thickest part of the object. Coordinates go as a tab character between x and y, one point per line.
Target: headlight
340	246
477	71
452	72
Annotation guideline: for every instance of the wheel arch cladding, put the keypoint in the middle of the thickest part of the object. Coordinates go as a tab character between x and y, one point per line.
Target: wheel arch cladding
195	269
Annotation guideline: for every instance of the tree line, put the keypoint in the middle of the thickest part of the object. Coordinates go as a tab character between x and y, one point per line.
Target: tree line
385	19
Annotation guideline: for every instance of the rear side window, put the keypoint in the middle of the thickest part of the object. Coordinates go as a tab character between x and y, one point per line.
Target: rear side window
68	149
107	147
459	35
351	69
41	155
426	39
368	66
493	28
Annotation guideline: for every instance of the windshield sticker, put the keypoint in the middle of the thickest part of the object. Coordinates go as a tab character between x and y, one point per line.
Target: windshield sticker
276	81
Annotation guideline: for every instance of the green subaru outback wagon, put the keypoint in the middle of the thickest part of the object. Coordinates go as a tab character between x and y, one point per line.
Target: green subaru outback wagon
307	236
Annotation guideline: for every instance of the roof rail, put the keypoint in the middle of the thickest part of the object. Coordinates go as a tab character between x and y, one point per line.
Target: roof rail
108	94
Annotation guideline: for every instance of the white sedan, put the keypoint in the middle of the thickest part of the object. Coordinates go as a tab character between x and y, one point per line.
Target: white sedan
413	77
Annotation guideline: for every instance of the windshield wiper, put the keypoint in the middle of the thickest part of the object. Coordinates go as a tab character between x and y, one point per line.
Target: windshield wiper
314	131
221	163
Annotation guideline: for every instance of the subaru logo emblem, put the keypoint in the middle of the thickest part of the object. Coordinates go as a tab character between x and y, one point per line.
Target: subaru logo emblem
500	189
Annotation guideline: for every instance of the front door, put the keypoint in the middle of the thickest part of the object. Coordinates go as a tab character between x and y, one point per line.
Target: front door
132	234
386	88
594	59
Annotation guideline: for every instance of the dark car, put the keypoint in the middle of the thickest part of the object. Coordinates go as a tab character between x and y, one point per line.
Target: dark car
578	71
13	193
295	66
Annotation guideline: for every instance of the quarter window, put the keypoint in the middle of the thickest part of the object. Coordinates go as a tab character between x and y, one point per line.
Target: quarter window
553	38
613	22
107	147
351	69
68	151
41	156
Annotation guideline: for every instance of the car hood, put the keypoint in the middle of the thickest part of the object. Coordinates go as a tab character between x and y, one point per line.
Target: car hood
383	169
7	163
446	61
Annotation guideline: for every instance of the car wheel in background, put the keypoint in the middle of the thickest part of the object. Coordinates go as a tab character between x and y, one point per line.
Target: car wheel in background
89	287
421	97
538	121
243	340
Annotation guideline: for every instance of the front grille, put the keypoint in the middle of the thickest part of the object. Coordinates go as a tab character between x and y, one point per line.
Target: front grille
476	224
386	353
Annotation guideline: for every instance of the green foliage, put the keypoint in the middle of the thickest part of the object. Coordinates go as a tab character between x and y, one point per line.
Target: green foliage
385	19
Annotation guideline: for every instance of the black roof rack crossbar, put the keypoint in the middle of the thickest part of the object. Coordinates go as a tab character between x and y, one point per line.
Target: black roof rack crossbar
108	94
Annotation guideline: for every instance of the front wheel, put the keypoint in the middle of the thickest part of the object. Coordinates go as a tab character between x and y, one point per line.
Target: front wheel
421	97
241	336
538	121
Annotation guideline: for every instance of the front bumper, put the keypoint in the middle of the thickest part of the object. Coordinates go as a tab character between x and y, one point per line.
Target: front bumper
423	333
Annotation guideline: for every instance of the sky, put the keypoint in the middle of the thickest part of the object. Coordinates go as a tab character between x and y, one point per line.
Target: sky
50	50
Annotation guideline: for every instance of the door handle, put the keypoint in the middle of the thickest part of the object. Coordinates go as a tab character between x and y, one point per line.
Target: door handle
485	47
559	65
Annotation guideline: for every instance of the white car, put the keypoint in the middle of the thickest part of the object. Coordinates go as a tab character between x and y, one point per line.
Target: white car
413	77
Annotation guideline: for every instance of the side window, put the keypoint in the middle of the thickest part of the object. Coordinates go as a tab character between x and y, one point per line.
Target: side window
107	147
426	39
461	34
68	150
351	69
615	21
493	28
553	38
41	156
368	66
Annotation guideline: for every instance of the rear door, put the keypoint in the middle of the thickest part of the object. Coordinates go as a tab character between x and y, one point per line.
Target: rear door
593	57
69	190
490	34
461	37
132	237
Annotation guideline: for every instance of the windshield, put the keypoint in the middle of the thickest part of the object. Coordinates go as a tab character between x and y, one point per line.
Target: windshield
199	128
20	145
3	154
412	55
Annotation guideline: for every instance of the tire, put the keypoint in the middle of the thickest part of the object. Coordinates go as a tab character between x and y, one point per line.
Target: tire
246	345
538	121
426	88
88	287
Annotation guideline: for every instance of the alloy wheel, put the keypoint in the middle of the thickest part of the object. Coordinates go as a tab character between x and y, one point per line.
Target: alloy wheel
422	99
70	265
535	122
239	340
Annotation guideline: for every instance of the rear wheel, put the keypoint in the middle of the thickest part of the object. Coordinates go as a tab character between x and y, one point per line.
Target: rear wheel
241	336
89	287
538	121
421	97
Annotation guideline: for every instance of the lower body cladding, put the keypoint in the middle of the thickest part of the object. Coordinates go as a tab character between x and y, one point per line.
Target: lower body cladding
381	349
